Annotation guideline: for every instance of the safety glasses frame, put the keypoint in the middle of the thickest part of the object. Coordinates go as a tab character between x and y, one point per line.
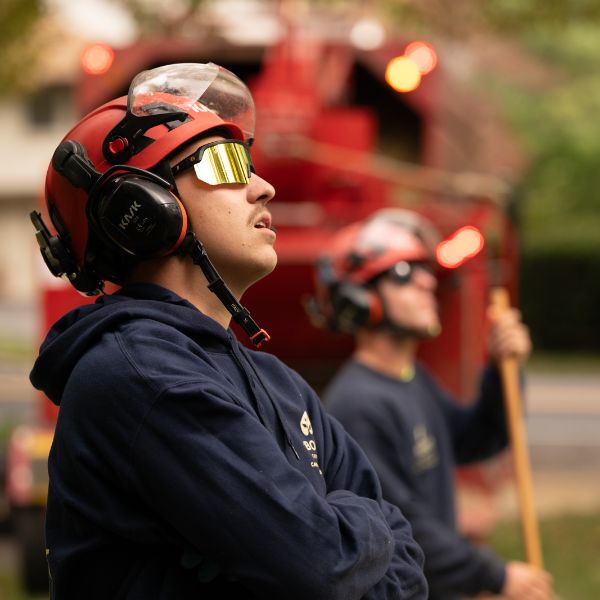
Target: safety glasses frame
209	158
401	272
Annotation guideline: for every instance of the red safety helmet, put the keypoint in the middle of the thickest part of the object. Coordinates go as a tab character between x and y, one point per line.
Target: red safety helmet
357	255
119	151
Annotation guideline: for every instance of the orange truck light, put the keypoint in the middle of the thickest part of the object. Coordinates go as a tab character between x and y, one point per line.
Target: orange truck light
423	55
463	244
97	59
403	74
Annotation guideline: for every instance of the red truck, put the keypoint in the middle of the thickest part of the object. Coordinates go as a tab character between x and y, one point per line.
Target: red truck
338	141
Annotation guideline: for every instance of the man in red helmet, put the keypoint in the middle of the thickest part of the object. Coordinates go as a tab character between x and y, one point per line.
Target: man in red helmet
184	465
378	281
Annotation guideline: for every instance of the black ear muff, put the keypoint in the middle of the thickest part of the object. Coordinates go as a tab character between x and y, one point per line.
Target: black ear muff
342	305
137	212
354	307
128	208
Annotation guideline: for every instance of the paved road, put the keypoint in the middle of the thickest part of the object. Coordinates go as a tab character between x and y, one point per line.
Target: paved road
563	419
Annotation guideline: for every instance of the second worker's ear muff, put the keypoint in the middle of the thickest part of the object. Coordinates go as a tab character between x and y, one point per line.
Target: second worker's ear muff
350	305
354	306
129	208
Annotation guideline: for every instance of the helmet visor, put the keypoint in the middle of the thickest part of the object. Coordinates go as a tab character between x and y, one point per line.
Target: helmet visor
225	161
193	87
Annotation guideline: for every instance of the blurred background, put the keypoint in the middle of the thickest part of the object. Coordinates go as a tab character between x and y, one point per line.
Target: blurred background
480	114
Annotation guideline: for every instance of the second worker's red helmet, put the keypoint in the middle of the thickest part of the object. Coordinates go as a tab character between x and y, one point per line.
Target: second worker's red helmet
344	300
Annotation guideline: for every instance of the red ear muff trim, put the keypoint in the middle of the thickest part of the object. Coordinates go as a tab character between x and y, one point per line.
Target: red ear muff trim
184	227
375	309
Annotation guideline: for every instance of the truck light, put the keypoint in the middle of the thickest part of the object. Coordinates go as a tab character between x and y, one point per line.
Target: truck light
463	244
423	55
403	74
97	59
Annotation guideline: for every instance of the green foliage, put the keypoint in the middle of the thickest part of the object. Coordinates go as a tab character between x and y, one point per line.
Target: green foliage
558	204
17	18
160	17
571	547
11	590
559	207
538	15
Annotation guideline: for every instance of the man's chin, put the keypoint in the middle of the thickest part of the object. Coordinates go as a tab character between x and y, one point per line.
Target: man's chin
419	332
260	269
432	331
428	332
268	265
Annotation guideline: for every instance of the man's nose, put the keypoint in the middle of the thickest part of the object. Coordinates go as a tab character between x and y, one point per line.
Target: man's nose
425	278
259	190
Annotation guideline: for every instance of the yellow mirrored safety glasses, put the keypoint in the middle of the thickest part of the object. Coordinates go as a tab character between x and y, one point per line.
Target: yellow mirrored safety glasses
225	161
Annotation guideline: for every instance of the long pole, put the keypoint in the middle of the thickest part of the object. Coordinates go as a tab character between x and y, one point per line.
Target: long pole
509	373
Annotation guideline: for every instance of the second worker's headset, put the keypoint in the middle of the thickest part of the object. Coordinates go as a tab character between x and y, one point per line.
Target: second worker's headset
343	306
135	212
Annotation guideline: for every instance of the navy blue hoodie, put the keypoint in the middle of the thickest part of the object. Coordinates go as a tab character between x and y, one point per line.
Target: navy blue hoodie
185	466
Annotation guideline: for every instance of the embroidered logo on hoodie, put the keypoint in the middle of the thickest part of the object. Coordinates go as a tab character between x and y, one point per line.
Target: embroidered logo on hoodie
310	445
425	453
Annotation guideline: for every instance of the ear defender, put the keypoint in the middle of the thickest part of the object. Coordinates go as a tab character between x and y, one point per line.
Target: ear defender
343	306
128	208
137	213
354	307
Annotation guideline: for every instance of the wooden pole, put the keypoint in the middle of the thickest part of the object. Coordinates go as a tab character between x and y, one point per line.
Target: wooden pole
509	374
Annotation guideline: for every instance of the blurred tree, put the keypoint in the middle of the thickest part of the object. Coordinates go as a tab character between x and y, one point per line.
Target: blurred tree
460	18
17	56
165	18
557	122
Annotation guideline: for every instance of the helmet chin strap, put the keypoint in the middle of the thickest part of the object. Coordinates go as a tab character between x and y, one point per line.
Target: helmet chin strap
422	334
195	249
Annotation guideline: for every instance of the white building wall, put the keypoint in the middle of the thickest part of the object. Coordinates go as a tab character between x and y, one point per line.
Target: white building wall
25	152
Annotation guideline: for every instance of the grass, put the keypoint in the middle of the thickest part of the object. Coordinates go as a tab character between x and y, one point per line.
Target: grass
571	550
567	362
12	350
10	589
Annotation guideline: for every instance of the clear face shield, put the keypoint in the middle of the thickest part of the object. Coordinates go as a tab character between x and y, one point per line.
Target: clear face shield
193	88
195	97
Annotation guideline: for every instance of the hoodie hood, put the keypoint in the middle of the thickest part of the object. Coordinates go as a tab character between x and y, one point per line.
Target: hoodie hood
72	335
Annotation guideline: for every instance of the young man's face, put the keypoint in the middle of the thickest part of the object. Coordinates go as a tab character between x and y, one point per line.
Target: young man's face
412	305
232	221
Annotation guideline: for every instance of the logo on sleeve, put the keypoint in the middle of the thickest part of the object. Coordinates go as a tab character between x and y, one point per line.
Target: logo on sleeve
310	445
